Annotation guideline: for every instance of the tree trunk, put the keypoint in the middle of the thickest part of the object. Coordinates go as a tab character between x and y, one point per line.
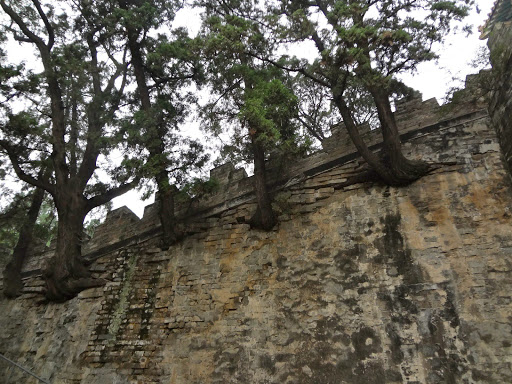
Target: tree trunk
392	167
165	201
12	272
66	275
264	218
403	170
165	197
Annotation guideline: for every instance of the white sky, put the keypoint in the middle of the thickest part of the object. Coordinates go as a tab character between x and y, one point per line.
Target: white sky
432	79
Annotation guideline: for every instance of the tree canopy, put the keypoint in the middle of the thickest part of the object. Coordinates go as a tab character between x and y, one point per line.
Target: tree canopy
253	98
366	43
100	110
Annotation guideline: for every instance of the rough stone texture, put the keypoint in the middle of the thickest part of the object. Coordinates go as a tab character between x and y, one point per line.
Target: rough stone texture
363	284
500	106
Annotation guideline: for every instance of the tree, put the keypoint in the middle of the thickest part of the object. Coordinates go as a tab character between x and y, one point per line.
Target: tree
162	67
252	98
12	271
27	220
367	43
69	115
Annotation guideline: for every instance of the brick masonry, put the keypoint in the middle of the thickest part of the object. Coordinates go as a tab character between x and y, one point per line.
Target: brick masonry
361	284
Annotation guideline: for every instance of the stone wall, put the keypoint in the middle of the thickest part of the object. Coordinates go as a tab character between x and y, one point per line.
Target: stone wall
357	284
500	106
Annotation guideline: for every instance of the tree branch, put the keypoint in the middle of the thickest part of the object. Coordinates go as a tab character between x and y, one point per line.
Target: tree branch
104	198
21	39
167	79
22	175
24	28
230	88
318	43
49	28
285	68
311	129
95	124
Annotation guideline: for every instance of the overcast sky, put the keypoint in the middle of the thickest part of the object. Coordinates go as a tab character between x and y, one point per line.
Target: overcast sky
434	79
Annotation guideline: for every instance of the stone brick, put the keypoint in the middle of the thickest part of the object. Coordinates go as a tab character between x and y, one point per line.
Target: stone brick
369	285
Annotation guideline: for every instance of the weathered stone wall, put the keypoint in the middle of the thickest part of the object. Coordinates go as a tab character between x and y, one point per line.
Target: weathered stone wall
360	284
500	106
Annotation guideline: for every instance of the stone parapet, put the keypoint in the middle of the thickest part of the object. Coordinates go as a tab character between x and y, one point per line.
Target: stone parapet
235	188
500	105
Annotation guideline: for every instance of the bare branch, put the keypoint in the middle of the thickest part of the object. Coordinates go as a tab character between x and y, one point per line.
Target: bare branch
168	79
299	70
32	37
22	175
49	28
226	91
104	198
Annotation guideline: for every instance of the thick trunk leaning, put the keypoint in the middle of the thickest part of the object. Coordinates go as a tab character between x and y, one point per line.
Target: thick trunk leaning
404	171
12	272
392	167
264	218
66	275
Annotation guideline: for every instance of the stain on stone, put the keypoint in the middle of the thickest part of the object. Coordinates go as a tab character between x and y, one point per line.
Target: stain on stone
396	344
443	366
229	359
267	363
401	308
393	376
392	251
347	263
330	328
281	261
353	304
315	245
480	376
486	338
323	254
450	311
365	342
357	372
149	306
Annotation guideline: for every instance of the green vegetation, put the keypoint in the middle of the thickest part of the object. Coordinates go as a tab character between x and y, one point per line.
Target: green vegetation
102	109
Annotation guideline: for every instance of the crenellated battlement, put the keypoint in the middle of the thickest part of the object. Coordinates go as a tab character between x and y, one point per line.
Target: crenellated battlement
357	280
234	193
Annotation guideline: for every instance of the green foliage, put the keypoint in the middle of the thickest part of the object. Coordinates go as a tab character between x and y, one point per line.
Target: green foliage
372	41
198	188
91	226
11	219
163	66
13	216
268	109
253	102
45	229
84	66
